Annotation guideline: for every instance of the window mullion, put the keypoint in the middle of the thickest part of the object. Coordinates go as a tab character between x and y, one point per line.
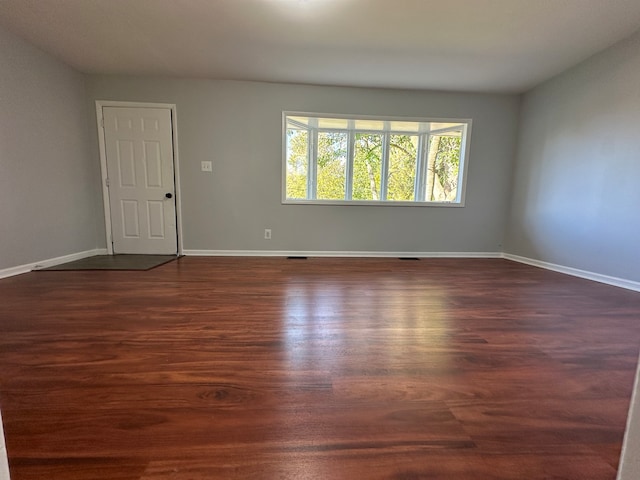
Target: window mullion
312	185
348	191
426	173
420	168
461	164
386	139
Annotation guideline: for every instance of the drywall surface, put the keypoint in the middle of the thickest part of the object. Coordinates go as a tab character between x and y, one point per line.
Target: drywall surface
47	176
576	187
238	127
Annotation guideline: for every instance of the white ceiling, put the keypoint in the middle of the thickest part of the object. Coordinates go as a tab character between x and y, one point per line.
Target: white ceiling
468	45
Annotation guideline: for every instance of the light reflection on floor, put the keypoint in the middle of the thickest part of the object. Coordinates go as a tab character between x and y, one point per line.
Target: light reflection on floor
316	313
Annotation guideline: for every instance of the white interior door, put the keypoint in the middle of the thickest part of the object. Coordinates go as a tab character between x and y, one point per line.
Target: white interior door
140	169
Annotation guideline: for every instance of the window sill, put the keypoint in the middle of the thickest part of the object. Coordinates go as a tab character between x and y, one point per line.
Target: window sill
370	203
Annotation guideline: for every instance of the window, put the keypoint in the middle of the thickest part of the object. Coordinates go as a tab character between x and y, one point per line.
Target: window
338	160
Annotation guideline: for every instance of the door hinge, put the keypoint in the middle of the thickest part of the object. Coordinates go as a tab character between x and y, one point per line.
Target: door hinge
102	122
106	182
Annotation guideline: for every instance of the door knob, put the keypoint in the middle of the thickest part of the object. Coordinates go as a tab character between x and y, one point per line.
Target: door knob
168	195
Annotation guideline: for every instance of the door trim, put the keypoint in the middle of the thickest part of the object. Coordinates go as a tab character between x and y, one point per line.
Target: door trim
103	164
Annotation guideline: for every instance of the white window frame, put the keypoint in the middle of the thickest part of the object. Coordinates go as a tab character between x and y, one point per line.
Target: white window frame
421	173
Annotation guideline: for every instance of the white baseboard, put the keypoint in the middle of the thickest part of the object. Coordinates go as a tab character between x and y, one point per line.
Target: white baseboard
20	269
596	277
331	253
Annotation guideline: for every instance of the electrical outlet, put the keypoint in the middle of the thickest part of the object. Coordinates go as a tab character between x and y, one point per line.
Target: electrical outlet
206	166
267	234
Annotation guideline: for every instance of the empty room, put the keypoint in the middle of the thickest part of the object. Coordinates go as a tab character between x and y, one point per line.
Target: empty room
319	239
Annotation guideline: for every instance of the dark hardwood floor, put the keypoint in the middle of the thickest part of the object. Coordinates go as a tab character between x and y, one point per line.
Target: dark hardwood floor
245	368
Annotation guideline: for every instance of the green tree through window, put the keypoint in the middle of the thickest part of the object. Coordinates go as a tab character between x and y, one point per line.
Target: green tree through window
367	166
297	162
332	165
374	160
403	153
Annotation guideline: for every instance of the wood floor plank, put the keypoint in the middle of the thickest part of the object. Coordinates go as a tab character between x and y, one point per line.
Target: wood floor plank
264	368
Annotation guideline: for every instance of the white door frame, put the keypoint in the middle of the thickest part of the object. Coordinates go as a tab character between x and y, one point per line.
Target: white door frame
103	164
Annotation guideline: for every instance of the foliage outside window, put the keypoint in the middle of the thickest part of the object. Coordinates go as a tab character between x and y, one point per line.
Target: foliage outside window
371	160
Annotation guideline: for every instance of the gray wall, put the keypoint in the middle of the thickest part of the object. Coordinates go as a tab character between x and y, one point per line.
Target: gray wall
237	125
576	188
575	195
47	174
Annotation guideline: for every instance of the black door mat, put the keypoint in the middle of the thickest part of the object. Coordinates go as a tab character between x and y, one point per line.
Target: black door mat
113	262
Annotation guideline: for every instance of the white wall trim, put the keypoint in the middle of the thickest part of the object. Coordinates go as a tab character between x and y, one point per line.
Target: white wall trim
331	253
4	462
103	164
629	462
596	277
20	269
